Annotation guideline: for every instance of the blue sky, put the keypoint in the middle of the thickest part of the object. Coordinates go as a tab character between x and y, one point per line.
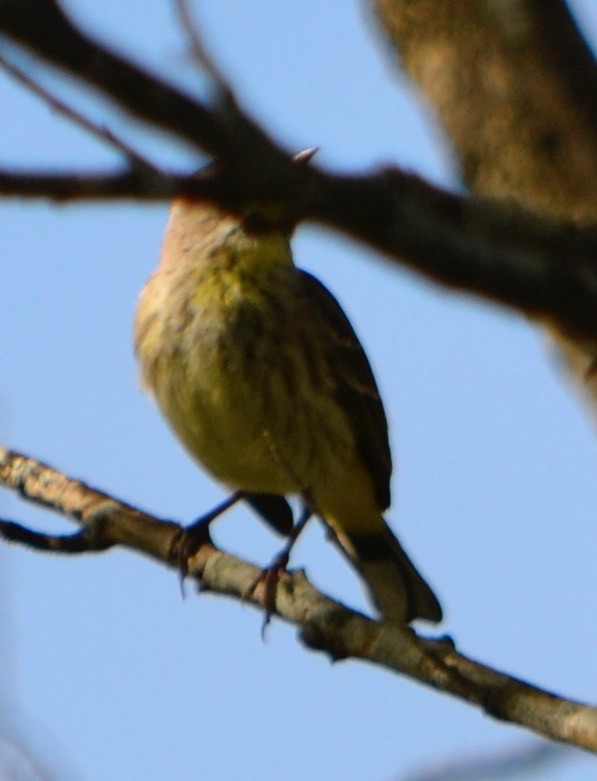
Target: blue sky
106	673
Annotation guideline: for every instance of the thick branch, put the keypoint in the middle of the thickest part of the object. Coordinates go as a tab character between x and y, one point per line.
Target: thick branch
324	624
540	268
482	247
515	88
222	130
41	26
544	269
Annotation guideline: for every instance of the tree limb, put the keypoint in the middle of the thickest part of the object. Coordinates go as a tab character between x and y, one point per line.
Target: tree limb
323	624
103	133
535	265
61	187
514	86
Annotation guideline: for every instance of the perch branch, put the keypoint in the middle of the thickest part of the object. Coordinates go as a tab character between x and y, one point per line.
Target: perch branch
323	624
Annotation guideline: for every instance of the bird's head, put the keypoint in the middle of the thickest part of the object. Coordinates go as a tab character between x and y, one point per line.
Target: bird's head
265	220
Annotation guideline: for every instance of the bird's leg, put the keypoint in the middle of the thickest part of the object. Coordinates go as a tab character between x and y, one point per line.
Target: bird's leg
280	561
194	536
270	575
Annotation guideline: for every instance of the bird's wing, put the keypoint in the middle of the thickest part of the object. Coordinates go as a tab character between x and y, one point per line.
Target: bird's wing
355	386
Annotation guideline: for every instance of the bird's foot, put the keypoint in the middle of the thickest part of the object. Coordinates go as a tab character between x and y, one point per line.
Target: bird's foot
187	543
270	576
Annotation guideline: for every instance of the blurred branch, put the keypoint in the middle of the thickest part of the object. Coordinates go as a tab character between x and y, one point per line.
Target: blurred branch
534	265
18	761
323	624
89	185
198	51
514	86
510	764
102	133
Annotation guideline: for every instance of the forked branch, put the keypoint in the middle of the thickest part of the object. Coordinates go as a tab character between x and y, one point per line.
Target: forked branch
532	264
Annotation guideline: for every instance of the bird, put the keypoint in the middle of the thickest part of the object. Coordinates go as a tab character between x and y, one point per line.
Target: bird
262	378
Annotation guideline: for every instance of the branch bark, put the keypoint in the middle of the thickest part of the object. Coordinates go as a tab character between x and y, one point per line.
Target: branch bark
536	265
521	113
514	86
323	624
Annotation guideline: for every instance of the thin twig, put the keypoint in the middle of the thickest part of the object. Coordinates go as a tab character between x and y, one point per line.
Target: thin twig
134	158
517	762
536	266
92	185
205	62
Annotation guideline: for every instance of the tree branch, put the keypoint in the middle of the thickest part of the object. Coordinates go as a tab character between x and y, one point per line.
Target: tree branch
42	27
137	183
532	265
323	624
103	133
514	86
536	266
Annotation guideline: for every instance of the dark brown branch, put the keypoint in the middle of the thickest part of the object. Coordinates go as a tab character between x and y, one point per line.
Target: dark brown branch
542	268
324	624
57	105
538	267
515	88
42	27
138	183
489	248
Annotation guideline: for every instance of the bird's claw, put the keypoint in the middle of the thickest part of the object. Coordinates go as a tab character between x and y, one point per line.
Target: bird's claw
270	577
190	539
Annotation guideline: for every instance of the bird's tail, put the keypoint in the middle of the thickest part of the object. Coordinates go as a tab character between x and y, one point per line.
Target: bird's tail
395	586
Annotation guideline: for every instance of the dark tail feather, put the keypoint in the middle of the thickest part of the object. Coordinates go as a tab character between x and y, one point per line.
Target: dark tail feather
397	589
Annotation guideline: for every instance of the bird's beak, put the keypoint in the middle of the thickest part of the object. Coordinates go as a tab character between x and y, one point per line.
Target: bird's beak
304	157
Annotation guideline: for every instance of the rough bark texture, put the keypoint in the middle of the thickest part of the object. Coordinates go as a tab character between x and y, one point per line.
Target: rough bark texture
515	88
324	625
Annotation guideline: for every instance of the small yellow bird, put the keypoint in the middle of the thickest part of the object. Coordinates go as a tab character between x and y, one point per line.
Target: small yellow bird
258	371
